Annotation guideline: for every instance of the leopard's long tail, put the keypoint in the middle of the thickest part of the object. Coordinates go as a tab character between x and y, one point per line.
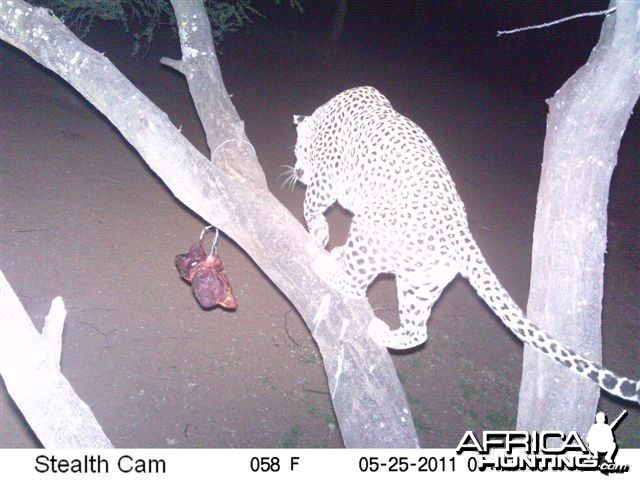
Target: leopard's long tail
484	281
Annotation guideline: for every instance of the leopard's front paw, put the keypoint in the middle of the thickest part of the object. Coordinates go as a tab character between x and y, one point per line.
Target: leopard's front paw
379	332
319	231
325	267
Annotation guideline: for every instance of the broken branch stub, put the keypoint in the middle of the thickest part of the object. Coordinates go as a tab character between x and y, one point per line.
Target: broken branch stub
30	368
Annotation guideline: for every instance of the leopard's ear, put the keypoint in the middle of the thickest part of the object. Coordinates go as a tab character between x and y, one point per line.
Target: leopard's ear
298	119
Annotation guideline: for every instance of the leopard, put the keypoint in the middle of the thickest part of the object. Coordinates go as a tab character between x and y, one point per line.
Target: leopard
408	221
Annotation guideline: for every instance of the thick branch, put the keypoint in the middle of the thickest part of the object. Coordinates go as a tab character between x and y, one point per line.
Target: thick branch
368	398
587	118
30	367
217	114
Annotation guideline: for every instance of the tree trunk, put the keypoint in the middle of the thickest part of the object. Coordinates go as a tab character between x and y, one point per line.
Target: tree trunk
586	120
230	193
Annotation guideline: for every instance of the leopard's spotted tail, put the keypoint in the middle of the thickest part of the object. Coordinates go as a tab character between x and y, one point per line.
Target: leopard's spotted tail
488	287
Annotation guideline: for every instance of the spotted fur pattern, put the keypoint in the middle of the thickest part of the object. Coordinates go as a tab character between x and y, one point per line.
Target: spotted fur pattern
407	220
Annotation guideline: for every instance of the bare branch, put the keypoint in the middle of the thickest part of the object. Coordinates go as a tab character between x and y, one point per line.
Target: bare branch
555	22
370	403
30	367
53	326
217	114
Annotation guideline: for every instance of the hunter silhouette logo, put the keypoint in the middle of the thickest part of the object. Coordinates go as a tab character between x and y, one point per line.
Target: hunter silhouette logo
601	439
546	450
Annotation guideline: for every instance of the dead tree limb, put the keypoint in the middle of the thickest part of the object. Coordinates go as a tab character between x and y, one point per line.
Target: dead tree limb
30	367
586	120
556	22
230	193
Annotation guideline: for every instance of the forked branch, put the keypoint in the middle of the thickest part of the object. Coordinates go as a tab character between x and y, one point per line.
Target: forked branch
231	194
30	368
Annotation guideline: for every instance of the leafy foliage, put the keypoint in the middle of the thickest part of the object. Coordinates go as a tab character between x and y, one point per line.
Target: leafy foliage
143	17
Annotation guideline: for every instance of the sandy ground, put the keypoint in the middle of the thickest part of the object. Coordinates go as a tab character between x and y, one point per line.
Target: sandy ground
84	218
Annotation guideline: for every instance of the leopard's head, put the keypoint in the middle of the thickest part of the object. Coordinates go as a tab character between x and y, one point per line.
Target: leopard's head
303	169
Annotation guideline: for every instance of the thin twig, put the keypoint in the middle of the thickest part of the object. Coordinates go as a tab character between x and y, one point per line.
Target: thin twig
287	330
311	390
555	22
30	230
105	335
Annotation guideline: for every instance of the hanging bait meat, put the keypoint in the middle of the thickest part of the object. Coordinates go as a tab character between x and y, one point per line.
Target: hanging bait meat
209	282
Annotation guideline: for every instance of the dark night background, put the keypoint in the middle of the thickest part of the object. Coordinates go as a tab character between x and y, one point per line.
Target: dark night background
84	218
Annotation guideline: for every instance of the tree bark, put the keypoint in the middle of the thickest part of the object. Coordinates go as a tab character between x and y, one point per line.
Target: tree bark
30	367
586	120
230	193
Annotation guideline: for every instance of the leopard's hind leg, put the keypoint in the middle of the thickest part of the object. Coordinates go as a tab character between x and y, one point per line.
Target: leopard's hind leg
417	292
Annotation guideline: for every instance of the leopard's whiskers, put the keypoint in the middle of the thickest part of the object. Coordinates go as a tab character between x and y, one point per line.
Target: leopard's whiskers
290	177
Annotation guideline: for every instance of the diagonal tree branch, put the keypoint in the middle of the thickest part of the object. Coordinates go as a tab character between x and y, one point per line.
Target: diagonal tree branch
217	114
30	367
368	399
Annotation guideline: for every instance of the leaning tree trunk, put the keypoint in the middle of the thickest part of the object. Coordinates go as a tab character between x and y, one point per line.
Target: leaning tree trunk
230	192
587	118
30	368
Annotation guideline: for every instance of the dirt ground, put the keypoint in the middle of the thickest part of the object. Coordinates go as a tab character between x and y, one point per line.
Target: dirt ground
84	218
